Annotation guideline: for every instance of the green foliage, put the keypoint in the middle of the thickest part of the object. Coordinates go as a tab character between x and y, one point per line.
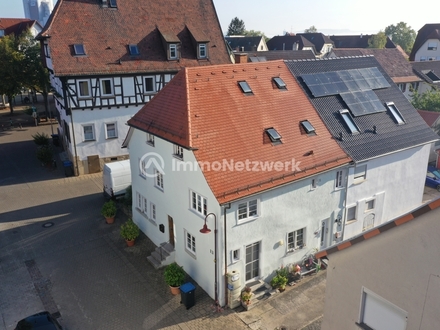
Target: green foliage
402	35
279	282
236	27
311	29
174	275
41	139
45	154
109	209
246	295
129	230
430	100
378	40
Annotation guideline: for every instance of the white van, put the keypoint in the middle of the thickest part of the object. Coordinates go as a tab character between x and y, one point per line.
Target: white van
116	178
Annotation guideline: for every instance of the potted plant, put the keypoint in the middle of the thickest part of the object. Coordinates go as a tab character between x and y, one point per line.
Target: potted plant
174	277
109	211
279	282
246	295
129	231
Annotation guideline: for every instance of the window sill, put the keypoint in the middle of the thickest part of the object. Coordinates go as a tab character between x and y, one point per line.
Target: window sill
201	215
150	143
89	140
246	220
111	138
350	222
158	188
178	157
358	181
190	253
143	176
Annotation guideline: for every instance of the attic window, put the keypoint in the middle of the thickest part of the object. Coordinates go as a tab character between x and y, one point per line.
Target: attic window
245	87
432	46
113	4
173	51
79	49
396	113
202	51
431	75
134	50
308	127
349	121
273	135
280	83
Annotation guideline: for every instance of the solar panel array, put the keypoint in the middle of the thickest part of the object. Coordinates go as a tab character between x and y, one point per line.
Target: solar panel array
363	102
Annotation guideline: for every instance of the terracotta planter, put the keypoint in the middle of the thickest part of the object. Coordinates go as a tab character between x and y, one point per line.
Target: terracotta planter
110	220
175	290
130	243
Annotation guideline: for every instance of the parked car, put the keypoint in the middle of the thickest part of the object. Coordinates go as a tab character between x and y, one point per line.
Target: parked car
40	321
433	178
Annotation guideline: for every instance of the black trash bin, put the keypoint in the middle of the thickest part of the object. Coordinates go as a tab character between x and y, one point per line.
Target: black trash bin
68	168
187	295
56	140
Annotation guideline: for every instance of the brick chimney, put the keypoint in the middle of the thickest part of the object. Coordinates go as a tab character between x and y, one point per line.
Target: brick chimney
241	58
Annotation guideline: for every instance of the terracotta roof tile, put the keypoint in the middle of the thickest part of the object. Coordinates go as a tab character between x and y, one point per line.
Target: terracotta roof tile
204	109
429	117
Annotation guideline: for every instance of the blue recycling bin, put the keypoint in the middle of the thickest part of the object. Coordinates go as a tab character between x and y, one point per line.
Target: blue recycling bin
68	168
187	295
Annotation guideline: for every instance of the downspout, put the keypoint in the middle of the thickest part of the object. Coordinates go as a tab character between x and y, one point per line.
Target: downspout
73	135
345	203
226	252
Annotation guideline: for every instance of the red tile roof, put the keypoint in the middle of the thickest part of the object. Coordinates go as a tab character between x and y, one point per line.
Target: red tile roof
430	117
106	33
16	25
204	109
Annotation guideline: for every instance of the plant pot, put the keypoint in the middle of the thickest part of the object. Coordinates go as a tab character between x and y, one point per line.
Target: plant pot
110	220
175	290
130	242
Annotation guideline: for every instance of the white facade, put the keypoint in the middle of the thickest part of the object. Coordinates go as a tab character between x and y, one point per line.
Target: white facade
429	51
393	185
38	10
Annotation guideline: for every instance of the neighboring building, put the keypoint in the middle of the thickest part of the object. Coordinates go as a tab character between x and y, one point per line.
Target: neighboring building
394	63
432	119
239	148
387	278
273	55
356	41
378	128
38	10
323	44
290	42
17	26
108	58
246	44
427	44
429	72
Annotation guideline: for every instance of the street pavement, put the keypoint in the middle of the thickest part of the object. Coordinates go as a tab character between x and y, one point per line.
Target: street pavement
58	254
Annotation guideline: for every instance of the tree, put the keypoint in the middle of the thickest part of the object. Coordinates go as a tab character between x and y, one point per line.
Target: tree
402	35
236	27
378	40
430	100
311	29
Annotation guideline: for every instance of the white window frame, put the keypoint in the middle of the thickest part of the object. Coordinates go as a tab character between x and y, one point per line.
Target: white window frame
144	205
153	211
339	180
198	203
153	80
235	255
313	184
432	45
190	243
158	179
107	131
142	172
292	239
89	93
150	139
370	205
348	209
85	139
173	51
361	175
138	201
396	113
248	216
102	87
178	151
203	49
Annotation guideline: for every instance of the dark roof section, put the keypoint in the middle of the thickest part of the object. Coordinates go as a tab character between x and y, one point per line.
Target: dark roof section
288	42
423	69
274	55
356	41
428	31
318	39
16	26
389	136
391	59
106	33
244	44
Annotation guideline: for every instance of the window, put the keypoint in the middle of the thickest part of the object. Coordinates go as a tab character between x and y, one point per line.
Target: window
431	75
422	58
360	173
149	85
153	211
235	255
150	139
110	130
2	32
402	87
79	49
113	3
142	171
245	87
144	205
202	51
314	184
369	205
138	201
190	243
349	121
351	214
308	127
379	314
396	113
248	210
273	135
83	88
46	50
89	132
133	49
106	87
295	239
199	203
178	151
280	83
414	86
339	179
173	51
159	179
432	46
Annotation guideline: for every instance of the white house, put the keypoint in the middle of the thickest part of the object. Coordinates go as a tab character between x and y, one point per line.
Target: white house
241	149
427	44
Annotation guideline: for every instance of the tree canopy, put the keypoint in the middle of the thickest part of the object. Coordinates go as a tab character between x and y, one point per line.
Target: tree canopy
402	35
311	29
236	27
378	40
430	100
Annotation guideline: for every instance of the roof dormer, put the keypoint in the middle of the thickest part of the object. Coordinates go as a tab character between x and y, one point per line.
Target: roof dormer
171	44
200	43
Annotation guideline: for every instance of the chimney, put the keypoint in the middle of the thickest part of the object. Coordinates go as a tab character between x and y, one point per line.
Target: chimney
241	58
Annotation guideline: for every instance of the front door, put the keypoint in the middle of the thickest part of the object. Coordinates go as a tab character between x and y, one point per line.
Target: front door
324	233
171	230
252	261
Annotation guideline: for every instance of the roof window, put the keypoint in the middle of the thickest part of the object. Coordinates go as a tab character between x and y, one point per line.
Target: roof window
349	121
134	50
79	49
273	135
431	75
396	113
308	127
245	87
280	83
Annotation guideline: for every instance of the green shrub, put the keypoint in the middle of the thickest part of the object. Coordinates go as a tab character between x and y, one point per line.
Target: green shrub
41	139
45	154
129	230
174	275
109	209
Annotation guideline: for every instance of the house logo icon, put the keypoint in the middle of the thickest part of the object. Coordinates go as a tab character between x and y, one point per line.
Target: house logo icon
151	164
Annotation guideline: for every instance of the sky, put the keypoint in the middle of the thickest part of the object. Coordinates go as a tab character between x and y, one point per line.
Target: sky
276	17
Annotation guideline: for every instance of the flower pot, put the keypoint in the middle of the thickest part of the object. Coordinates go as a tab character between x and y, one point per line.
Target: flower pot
130	242
110	220
175	290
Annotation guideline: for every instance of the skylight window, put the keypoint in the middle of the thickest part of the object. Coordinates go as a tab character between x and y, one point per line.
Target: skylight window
79	49
308	127
396	113
134	50
274	136
349	121
245	87
433	76
280	83
113	4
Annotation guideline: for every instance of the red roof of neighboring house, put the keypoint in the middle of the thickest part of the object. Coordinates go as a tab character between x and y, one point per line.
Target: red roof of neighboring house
430	117
16	26
106	33
204	109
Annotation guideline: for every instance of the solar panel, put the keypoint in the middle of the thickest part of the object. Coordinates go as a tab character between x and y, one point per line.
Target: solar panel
362	102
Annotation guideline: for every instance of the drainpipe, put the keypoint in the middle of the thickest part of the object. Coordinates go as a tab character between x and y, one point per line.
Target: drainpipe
345	203
73	134
226	252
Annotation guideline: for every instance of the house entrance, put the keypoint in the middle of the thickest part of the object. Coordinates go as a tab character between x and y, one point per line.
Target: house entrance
171	230
252	261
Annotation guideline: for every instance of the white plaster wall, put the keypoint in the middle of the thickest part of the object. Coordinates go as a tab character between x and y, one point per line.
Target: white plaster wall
423	51
396	181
